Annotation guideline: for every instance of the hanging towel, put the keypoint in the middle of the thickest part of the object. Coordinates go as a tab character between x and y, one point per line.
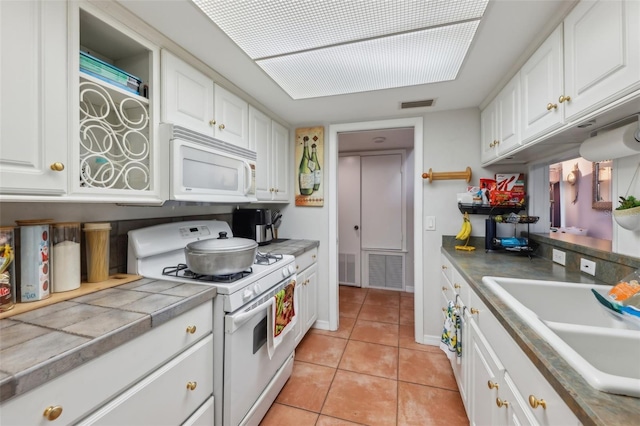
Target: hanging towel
281	316
450	341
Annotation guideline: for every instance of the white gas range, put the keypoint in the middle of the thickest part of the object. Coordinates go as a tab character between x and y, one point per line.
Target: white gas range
249	370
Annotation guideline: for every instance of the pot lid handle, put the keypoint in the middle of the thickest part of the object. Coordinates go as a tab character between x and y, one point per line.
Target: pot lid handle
222	235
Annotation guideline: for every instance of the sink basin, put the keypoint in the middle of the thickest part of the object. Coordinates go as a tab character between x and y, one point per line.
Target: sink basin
602	346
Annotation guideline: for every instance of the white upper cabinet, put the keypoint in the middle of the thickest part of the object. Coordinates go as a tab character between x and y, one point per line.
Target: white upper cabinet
500	122
231	117
192	99
271	142
33	102
281	147
187	95
113	84
601	54
260	139
542	83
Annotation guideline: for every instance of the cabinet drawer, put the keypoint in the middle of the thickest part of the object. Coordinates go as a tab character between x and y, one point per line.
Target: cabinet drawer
306	259
204	416
84	389
168	396
461	288
514	410
446	268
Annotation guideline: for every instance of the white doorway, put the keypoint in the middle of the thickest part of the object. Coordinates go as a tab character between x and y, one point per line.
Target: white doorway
372	217
414	185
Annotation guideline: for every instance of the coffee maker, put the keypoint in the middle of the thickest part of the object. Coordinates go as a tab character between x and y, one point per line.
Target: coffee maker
254	224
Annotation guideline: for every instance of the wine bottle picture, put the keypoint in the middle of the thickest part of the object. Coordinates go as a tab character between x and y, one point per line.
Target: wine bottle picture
305	173
317	173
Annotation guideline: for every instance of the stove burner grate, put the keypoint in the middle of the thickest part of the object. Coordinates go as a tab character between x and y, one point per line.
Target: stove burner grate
183	271
267	258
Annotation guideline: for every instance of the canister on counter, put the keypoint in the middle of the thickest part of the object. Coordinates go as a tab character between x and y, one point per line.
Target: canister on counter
97	239
35	266
66	257
7	276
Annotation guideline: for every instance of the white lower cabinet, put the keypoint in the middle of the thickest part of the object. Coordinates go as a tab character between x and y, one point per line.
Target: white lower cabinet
498	383
307	289
143	381
168	396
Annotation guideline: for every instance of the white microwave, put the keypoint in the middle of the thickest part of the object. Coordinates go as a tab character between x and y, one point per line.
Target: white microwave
204	169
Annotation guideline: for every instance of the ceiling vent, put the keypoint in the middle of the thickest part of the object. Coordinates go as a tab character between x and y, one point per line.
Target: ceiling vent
417	104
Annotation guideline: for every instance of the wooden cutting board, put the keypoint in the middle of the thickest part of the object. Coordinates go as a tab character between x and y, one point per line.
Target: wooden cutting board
85	288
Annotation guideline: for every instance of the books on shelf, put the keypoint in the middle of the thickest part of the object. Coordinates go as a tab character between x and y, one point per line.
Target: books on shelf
109	73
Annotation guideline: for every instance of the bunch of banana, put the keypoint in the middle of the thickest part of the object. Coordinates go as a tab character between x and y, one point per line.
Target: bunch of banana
465	230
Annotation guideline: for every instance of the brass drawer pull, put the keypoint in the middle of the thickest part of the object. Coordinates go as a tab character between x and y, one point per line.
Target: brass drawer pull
191	329
492	385
474	311
502	403
52	412
192	385
535	402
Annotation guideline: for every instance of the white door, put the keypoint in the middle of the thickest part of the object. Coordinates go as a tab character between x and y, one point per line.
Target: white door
232	118
602	59
541	78
187	95
349	220
382	198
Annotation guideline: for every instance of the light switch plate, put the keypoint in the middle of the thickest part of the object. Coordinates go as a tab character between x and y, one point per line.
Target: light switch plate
559	257
430	223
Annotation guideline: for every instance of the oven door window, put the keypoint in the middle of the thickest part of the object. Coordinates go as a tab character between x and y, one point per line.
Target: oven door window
260	335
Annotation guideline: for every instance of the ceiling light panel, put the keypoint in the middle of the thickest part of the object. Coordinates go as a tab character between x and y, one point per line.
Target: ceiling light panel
267	28
402	60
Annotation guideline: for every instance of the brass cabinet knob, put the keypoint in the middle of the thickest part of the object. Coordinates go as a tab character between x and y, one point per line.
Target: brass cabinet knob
276	189
502	402
551	106
191	329
474	311
221	127
444	267
52	412
492	385
497	142
457	286
313	256
535	402
212	122
563	98
192	385
444	309
297	267
492	144
444	288
57	167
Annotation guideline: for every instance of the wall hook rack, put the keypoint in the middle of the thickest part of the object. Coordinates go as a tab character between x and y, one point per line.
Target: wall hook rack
431	175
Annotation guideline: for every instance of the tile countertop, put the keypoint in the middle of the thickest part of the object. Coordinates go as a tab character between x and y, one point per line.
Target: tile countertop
588	404
42	344
285	246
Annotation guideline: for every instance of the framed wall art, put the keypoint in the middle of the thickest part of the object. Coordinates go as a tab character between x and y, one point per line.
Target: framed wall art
308	166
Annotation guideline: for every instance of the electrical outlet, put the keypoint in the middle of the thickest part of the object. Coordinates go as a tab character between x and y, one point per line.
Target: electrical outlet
559	257
588	267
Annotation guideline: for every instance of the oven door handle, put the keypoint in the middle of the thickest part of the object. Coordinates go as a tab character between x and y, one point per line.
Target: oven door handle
232	323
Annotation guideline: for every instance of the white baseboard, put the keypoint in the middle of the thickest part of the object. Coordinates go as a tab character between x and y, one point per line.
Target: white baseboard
431	340
322	325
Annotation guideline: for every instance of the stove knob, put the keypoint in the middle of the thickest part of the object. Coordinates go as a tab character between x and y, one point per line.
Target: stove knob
291	269
257	290
285	274
247	294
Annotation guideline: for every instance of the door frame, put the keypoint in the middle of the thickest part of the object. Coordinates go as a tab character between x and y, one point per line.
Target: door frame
332	201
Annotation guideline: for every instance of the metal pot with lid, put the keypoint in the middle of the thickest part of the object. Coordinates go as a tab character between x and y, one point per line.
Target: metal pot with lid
220	256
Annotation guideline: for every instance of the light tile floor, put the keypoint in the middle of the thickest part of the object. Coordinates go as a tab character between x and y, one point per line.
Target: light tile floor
369	372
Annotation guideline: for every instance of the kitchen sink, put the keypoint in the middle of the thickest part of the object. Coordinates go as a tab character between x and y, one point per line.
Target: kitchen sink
602	346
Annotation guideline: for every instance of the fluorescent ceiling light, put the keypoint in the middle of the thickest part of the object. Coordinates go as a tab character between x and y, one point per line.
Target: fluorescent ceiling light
314	48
